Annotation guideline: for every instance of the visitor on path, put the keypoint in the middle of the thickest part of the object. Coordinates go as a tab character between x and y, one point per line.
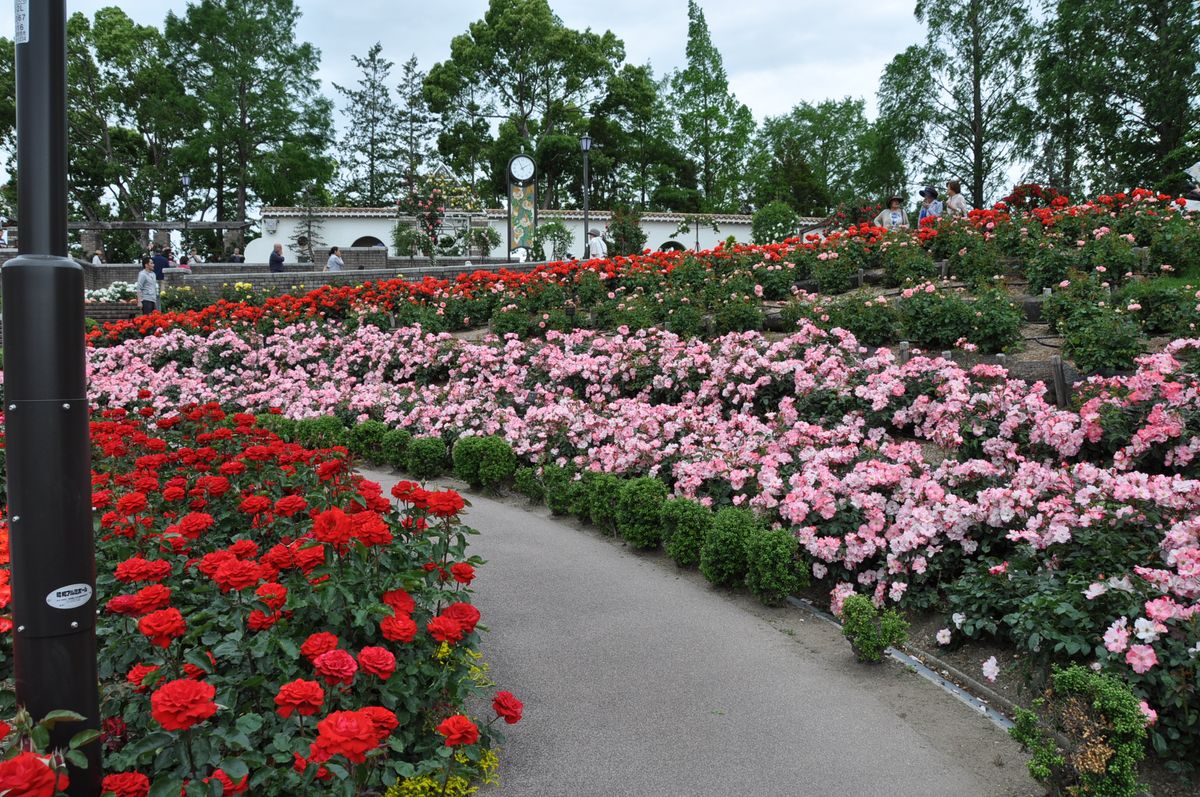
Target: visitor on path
892	216
98	258
194	257
596	246
147	286
335	262
185	263
237	256
160	263
956	204
277	259
171	261
931	208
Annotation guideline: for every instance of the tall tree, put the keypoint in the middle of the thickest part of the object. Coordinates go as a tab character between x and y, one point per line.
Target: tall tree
522	65
714	127
266	125
957	104
369	149
415	123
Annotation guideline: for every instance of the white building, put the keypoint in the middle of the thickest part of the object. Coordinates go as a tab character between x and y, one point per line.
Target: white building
354	227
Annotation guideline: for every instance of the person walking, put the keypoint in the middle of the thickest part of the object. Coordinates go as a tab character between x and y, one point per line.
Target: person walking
277	259
98	258
335	262
931	208
956	204
596	246
237	256
147	286
160	263
892	216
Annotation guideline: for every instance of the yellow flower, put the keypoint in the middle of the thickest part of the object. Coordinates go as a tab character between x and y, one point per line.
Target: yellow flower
443	652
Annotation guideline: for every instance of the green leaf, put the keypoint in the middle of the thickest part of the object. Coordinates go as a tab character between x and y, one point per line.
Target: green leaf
166	786
150	743
249	724
83	737
60	716
77	758
235	768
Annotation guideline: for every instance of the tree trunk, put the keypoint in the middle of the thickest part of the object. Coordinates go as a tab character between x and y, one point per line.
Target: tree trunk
977	166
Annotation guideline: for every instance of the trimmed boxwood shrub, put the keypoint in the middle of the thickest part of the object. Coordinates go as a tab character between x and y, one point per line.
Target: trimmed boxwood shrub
467	455
394	445
871	633
325	432
557	483
771	572
723	555
686	524
639	511
425	458
603	490
527	483
366	440
497	463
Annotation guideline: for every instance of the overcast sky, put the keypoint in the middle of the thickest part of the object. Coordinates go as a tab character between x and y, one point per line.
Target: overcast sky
777	52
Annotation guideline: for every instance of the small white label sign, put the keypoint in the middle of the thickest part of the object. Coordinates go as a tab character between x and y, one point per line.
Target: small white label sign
71	596
21	30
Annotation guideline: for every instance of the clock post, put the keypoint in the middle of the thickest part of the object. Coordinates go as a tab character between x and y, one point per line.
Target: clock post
522	203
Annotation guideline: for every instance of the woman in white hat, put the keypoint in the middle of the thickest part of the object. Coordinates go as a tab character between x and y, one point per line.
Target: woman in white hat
596	245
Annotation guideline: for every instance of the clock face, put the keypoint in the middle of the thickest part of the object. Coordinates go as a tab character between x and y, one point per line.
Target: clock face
521	168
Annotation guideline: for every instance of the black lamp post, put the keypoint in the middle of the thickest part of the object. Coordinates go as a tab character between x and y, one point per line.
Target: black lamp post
186	181
585	146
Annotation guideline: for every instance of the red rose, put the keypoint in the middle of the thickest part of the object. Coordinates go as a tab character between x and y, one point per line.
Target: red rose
178	705
126	784
351	734
244	549
508	707
137	674
371	529
232	468
28	775
336	667
132	503
173	494
400	601
237	575
273	595
458	730
463	573
333	527
310	558
377	661
445	629
5	729
229	787
255	504
138	569
464	614
302	697
404	490
163	626
290	505
193	524
384	720
316	644
123	604
399	628
259	620
210	563
151	598
446	503
280	557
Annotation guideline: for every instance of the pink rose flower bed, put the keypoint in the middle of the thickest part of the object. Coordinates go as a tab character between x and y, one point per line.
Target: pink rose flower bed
814	432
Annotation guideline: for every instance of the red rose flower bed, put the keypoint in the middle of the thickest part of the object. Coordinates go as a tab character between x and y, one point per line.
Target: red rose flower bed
270	621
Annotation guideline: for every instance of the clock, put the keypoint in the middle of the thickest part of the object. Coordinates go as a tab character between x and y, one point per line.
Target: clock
521	168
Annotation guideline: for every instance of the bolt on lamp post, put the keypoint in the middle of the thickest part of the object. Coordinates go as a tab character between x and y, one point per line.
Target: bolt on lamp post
585	146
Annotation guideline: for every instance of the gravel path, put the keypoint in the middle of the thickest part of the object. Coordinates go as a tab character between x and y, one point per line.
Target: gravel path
640	679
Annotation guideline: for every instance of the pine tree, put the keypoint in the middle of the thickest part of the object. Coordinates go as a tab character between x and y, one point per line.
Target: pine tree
370	148
306	241
713	126
415	123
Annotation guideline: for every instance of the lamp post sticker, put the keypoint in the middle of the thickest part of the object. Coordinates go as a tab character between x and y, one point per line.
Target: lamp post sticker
69	597
21	32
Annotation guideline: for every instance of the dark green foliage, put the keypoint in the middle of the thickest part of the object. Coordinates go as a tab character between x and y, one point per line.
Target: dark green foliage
425	458
774	223
723	554
772	572
685	524
468	455
325	432
603	492
497	463
996	321
1101	338
905	261
836	274
394	446
1048	266
738	315
871	633
527	483
639	511
557	483
872	321
366	440
935	320
1099	720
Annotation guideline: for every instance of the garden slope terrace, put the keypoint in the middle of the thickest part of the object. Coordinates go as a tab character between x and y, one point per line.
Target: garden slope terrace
640	684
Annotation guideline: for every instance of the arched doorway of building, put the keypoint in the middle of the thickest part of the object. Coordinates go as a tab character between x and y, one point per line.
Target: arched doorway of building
672	246
367	240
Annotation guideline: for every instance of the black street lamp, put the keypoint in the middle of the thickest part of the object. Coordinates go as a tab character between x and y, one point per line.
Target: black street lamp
186	181
585	146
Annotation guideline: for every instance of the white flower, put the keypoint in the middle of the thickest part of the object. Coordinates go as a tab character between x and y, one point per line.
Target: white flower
959	618
1147	630
991	669
1095	590
943	636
